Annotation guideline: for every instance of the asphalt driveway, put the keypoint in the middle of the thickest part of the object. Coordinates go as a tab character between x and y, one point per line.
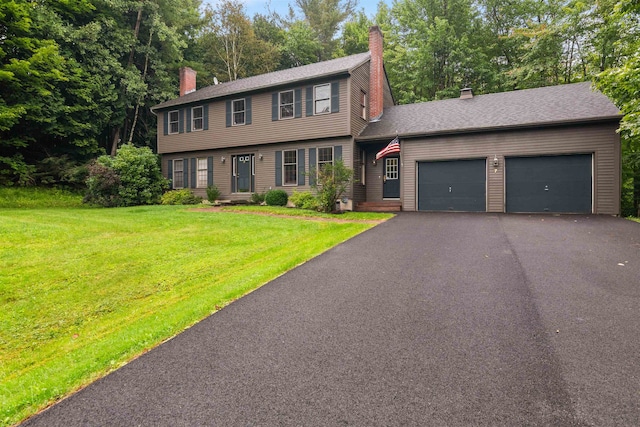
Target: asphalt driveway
427	319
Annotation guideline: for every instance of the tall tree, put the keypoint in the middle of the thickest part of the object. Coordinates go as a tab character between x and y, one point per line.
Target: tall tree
325	18
231	46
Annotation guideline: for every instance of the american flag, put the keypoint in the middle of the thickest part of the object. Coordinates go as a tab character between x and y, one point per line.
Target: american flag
393	147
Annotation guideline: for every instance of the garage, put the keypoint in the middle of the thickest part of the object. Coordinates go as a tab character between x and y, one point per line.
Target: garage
458	185
559	184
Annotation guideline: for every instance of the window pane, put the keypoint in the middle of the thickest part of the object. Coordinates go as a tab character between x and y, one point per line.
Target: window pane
286	111
197	113
323	106
286	97
238	118
290	174
325	154
173	116
290	156
238	105
178	181
323	92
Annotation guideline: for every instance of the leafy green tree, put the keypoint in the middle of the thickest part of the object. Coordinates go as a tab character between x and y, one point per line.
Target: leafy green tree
355	36
231	46
325	17
622	84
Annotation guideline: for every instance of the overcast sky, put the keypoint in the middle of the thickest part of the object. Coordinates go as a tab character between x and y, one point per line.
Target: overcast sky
281	6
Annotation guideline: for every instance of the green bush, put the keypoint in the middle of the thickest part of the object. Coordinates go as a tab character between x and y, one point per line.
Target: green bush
131	178
276	198
180	197
304	200
257	198
333	180
213	193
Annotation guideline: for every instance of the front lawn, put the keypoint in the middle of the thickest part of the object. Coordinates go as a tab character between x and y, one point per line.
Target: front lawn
82	291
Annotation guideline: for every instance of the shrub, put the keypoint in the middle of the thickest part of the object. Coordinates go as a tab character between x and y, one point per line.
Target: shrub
213	193
180	197
304	200
331	184
132	177
103	184
276	198
257	198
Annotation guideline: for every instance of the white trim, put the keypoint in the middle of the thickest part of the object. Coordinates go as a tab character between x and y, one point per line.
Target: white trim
193	119
233	112
284	183
316	100
293	105
177	122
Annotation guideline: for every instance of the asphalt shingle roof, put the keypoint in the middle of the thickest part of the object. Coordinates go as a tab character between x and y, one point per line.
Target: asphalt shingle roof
523	108
276	78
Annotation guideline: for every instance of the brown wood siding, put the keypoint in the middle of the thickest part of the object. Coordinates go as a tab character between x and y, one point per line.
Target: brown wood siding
359	82
262	130
601	140
265	168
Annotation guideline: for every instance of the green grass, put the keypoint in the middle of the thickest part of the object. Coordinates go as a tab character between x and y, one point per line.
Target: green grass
82	291
279	210
632	218
17	197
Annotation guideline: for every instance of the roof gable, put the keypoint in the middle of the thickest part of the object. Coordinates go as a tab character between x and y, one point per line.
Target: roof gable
274	79
572	103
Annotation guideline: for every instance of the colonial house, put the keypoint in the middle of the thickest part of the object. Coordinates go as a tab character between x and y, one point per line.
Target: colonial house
552	149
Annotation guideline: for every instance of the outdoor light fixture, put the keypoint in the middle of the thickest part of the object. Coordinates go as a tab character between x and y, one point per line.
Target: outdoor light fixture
222	159
496	162
374	162
260	156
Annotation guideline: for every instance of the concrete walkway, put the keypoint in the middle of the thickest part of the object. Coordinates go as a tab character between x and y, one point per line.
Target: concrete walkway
428	319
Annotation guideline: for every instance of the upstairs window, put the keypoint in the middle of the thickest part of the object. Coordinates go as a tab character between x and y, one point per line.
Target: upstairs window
286	104
174	122
363	104
238	112
322	99
290	167
197	118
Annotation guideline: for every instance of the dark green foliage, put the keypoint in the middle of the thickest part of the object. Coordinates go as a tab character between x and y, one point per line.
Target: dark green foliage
131	178
257	198
213	193
103	184
331	184
304	200
180	197
276	198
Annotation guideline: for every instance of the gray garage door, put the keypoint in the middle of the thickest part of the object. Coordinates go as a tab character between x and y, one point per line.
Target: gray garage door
458	185
549	184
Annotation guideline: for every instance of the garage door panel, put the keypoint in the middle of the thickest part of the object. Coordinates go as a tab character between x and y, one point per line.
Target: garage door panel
452	186
560	184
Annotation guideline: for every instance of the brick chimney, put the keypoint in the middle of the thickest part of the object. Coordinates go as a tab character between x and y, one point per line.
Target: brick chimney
376	78
466	93
187	80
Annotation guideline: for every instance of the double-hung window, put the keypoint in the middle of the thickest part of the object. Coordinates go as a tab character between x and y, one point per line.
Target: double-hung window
197	118
290	167
178	174
238	112
202	173
322	99
174	122
363	104
325	157
286	104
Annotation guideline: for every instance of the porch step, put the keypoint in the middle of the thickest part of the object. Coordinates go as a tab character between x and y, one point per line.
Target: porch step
383	206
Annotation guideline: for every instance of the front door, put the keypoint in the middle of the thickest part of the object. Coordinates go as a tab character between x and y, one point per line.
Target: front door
391	178
243	166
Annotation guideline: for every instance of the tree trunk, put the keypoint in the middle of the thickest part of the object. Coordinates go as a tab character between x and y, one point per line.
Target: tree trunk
115	141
